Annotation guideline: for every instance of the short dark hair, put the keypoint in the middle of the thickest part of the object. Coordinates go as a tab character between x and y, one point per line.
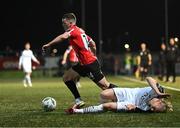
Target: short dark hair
70	16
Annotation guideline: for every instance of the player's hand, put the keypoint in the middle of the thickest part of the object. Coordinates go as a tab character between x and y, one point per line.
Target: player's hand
63	62
38	62
130	107
44	49
45	46
164	95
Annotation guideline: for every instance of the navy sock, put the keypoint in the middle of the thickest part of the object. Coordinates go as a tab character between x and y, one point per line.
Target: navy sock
72	87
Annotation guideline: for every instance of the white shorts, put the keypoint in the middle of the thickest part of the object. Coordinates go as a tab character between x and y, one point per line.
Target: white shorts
27	69
124	97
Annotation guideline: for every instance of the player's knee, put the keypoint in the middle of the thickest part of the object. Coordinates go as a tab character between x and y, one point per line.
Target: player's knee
66	78
104	94
69	77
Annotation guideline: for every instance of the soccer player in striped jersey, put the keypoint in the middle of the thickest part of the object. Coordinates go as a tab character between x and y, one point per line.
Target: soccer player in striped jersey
85	49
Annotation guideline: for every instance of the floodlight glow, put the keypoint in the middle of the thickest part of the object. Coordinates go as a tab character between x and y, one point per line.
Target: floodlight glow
55	50
126	46
176	39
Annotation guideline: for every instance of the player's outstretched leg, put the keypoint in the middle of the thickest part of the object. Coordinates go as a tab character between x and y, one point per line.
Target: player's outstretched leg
69	80
94	109
90	109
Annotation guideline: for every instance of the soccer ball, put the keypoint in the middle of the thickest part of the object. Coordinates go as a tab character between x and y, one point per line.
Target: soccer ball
49	104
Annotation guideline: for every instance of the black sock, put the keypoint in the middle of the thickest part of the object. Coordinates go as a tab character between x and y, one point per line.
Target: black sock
145	74
72	87
112	86
142	75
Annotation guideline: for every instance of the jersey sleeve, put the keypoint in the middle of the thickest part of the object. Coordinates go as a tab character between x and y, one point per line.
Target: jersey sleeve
89	38
90	41
144	107
33	57
148	51
71	33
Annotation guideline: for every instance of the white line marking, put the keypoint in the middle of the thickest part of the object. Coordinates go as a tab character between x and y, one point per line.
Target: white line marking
142	82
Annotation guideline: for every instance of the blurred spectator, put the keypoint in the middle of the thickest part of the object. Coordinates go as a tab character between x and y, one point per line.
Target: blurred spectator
171	58
162	62
128	62
144	61
135	66
8	51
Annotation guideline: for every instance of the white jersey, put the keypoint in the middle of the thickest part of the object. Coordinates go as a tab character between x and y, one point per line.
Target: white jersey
144	95
25	60
136	96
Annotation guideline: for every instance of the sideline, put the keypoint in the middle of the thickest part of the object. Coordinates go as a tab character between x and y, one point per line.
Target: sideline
142	82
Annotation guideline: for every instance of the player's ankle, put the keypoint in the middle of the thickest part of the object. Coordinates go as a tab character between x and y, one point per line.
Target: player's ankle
112	86
78	100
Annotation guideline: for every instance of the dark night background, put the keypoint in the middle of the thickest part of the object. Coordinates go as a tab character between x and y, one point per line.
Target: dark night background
132	21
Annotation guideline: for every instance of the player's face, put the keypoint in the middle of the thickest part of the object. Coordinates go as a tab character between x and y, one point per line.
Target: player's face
172	41
27	46
163	46
143	46
65	24
157	105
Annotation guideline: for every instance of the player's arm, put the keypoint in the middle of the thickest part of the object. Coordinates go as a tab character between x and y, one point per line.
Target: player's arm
20	62
34	59
65	55
149	59
58	39
138	60
131	107
92	46
153	83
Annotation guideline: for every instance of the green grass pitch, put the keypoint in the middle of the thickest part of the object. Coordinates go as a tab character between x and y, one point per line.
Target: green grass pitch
21	107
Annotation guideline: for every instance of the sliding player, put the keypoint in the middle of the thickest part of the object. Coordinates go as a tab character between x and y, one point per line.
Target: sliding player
130	99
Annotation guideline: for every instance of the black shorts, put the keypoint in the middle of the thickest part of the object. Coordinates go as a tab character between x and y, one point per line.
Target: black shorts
70	64
93	71
144	65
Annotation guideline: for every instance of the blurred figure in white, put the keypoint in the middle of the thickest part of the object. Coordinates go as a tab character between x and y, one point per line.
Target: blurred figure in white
26	64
